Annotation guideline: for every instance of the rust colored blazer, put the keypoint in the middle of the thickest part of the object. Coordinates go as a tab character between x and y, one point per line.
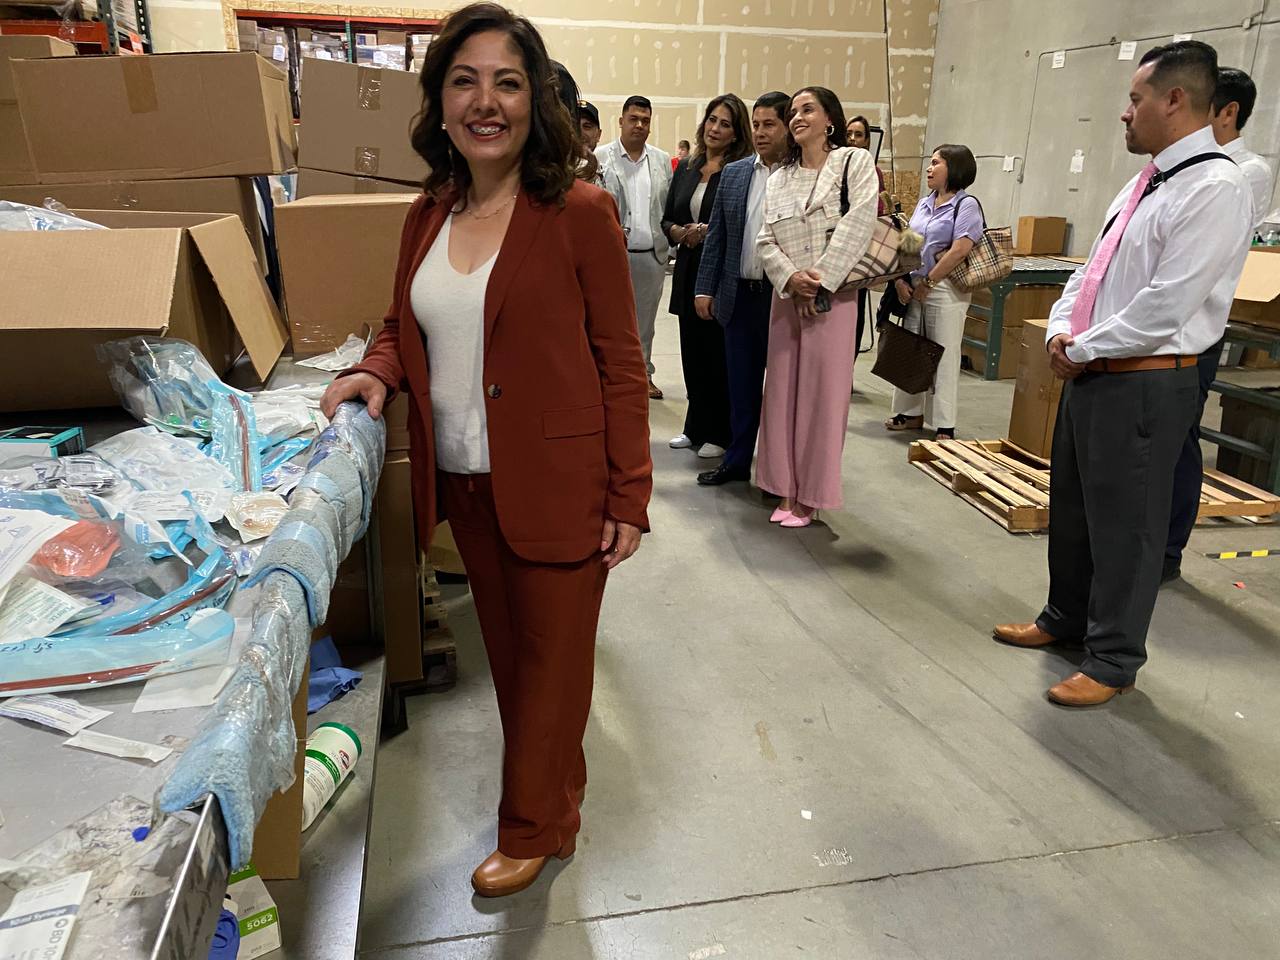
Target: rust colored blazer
565	385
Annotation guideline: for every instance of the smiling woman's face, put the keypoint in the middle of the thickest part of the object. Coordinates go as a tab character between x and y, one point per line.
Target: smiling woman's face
809	121
487	101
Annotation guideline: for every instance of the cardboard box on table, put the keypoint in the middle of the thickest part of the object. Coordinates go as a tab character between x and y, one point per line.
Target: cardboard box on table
338	260
225	195
1257	299
277	841
356	120
322	183
1036	395
157	117
1021	303
16	165
191	276
1040	236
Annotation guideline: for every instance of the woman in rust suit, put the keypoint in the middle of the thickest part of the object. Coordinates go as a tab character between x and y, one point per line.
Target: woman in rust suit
513	332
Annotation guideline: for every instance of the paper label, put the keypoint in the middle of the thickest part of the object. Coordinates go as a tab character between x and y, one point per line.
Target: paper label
1059	59
118	746
1128	49
1077	162
39	920
1007	166
32	608
60	713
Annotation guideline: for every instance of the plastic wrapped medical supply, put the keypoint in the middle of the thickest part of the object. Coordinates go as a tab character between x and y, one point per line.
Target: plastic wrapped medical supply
21	216
162	381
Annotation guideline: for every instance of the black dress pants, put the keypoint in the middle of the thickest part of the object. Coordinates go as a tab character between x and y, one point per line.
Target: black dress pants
1117	440
1189	473
706	379
746	345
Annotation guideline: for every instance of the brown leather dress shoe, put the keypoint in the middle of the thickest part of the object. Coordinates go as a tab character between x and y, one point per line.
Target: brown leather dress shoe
1081	691
654	392
1022	635
501	876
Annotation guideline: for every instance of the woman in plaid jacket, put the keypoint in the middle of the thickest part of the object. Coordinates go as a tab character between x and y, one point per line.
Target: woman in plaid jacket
808	247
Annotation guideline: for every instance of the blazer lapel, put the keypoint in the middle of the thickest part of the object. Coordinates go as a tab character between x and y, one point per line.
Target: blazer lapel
526	223
828	179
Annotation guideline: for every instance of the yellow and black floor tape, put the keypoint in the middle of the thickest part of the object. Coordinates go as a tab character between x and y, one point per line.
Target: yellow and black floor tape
1242	554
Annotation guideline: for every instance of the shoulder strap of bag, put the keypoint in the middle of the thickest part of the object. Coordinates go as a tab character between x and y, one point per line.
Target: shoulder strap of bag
844	185
1162	175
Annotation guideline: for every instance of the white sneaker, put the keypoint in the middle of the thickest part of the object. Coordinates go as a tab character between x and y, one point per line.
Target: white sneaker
680	442
709	451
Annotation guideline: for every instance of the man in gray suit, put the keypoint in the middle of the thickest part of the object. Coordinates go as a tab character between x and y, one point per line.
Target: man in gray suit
639	176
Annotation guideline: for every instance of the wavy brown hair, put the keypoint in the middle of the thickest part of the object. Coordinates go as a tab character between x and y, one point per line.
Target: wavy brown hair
741	120
549	160
830	103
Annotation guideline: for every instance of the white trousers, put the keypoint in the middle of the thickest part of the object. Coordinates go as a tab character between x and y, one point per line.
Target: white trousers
647	277
942	314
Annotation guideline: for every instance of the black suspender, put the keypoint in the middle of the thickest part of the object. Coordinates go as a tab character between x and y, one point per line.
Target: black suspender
1162	175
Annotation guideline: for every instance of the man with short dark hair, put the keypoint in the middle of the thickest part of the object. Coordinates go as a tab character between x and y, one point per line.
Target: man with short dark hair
1125	336
639	177
731	287
589	124
1233	101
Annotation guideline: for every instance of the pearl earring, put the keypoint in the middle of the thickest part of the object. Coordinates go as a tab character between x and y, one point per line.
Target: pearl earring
444	126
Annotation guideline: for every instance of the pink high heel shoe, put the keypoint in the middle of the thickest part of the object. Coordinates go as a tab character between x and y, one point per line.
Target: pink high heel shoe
796	521
781	515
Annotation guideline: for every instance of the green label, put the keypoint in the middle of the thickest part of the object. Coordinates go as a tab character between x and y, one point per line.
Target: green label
258	922
245	874
328	764
348	731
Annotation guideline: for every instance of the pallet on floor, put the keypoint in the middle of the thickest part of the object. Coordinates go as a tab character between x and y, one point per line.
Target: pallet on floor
1011	485
1008	484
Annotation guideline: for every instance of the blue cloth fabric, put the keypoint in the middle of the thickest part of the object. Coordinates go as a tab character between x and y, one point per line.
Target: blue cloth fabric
329	678
935	224
722	250
226	937
746	349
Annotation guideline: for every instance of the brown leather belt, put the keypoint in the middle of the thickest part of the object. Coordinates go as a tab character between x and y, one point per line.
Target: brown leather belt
1165	361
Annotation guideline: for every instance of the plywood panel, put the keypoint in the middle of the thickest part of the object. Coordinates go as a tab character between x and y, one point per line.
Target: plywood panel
850	16
911	78
854	69
654	63
913	24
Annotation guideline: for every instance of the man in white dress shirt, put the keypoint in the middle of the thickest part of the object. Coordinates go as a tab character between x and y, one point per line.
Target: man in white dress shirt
1232	105
639	177
1125	337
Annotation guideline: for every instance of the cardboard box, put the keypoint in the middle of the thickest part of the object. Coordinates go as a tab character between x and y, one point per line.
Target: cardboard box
322	183
444	555
191	276
334	288
256	913
277	840
978	328
16	165
157	117
223	195
1257	299
1036	394
1024	302
356	120
394	38
1253	422
1040	235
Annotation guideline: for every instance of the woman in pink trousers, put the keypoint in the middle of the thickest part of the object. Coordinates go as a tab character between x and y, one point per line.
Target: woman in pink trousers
808	247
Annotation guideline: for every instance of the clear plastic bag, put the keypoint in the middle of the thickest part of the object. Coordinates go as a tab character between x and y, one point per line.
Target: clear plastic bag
162	381
21	216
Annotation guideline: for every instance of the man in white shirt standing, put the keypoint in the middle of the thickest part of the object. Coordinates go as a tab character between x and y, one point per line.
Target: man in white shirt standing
1126	335
639	177
1233	102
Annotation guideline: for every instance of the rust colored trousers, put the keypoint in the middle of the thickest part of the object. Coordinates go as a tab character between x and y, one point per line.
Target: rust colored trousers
539	624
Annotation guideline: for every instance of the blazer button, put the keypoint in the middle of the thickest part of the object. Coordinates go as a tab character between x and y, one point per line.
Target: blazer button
495	391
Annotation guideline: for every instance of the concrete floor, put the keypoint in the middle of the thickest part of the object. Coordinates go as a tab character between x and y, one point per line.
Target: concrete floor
805	743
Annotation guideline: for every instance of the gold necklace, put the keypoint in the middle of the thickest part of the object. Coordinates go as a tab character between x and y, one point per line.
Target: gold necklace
493	213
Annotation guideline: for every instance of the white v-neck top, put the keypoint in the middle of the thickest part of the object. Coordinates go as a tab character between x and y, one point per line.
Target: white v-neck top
449	307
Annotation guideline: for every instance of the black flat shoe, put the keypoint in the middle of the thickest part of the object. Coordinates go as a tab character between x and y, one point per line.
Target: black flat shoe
723	474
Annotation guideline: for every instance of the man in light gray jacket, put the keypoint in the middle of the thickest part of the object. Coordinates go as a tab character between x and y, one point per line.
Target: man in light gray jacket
639	176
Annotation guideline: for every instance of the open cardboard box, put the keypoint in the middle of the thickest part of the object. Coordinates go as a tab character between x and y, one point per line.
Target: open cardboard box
191	276
1257	299
155	117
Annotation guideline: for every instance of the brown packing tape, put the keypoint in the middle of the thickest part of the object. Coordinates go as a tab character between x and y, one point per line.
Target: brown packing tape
369	88
139	84
366	160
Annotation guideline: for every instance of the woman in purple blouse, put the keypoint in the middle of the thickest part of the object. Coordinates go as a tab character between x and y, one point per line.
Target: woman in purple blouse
951	223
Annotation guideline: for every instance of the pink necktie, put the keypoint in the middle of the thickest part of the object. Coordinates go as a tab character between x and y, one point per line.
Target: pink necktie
1082	309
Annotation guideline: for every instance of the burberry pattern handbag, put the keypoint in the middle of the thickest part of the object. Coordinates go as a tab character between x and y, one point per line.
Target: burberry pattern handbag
991	258
894	250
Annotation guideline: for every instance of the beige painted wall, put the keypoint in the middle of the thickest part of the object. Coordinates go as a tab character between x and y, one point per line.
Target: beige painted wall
681	53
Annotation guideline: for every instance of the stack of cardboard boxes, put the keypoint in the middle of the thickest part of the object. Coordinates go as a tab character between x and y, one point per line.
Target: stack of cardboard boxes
1021	304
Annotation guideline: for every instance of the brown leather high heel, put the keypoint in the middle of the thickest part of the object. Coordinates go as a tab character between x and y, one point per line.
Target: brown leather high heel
501	876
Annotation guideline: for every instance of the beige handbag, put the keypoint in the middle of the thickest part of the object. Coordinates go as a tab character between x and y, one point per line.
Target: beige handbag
991	258
894	249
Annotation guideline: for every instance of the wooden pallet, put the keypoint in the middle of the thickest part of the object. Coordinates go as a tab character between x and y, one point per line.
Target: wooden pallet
1005	482
1224	496
1011	485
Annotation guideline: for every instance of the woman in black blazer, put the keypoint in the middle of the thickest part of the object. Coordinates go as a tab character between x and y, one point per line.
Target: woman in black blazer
723	137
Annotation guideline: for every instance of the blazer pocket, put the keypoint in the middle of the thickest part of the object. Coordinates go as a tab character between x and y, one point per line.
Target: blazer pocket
575	422
783	211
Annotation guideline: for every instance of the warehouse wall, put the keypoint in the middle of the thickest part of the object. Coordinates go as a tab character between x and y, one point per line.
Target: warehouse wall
877	54
997	91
